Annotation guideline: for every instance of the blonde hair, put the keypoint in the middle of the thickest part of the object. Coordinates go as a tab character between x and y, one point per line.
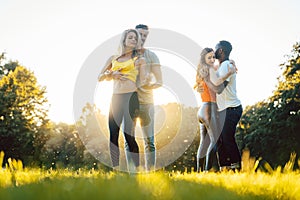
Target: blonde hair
203	68
136	51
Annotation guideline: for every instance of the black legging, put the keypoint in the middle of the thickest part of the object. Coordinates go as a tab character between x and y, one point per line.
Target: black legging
123	107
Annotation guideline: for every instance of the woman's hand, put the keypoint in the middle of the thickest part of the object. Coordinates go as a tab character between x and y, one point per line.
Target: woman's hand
105	76
118	75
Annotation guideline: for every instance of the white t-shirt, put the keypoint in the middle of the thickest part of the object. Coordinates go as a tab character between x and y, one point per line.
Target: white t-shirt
228	98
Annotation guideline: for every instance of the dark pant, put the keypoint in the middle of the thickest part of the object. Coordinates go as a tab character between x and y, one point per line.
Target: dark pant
124	108
227	147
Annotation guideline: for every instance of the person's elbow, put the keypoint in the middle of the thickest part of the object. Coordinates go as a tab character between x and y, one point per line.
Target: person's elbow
156	85
217	82
159	83
219	90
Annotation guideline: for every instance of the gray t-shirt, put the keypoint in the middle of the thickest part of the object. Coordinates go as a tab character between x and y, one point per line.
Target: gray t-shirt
146	95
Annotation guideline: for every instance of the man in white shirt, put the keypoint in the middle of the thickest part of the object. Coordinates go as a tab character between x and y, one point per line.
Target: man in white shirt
230	111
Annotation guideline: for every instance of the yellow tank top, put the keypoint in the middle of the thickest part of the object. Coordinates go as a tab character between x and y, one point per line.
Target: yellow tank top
127	67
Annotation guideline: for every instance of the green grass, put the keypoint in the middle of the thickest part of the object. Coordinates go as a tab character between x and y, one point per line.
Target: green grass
17	182
64	184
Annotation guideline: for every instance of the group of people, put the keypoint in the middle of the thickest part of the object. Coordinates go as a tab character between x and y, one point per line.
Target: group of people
136	71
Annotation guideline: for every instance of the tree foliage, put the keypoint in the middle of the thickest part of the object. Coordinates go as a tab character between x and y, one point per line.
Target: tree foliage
23	110
271	128
63	148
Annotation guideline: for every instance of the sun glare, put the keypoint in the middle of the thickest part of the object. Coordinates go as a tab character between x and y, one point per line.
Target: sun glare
164	96
103	95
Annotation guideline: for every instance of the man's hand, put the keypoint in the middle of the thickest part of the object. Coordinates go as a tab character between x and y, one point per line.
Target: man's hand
151	86
231	70
233	64
200	88
146	83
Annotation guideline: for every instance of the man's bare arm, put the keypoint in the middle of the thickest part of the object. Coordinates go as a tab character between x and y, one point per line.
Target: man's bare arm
156	70
216	88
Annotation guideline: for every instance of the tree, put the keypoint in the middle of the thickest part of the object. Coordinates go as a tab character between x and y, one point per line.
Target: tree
92	130
271	128
63	147
23	110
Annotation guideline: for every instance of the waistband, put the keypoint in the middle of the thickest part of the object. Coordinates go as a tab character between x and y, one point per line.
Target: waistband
134	92
209	102
234	108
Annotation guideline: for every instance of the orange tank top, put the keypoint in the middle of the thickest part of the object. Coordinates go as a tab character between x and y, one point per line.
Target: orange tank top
207	95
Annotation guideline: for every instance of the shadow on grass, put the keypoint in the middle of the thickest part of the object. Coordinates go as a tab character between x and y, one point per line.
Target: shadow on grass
120	186
192	190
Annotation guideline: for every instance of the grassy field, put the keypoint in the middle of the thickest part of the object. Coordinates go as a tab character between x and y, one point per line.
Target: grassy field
17	182
64	184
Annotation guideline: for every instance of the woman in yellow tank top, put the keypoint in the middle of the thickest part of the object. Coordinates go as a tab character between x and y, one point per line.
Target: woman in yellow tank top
124	70
207	113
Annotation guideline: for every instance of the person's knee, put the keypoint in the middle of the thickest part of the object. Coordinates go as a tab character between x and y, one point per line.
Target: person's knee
202	119
149	144
152	147
114	139
213	141
135	149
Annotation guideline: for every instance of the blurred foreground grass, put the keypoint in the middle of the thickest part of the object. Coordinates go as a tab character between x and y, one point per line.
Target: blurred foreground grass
17	182
64	184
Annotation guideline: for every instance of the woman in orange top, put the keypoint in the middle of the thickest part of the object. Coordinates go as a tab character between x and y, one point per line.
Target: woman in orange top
124	69
207	114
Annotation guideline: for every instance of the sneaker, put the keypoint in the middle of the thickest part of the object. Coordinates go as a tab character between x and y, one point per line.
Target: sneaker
236	166
225	168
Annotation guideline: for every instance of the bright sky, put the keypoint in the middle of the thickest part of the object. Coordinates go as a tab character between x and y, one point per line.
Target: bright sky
54	38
